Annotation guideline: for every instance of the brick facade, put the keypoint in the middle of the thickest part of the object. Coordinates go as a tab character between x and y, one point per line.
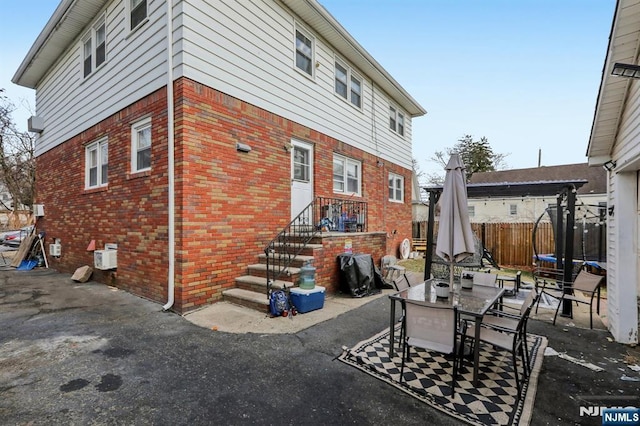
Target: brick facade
229	204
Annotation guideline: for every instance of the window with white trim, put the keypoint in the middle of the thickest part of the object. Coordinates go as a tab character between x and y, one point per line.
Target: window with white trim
472	210
347	84
304	52
513	209
347	175
141	145
94	47
137	13
97	164
396	120
396	187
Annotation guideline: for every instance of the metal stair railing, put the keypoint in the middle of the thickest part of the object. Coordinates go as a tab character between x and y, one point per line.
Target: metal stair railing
282	250
322	214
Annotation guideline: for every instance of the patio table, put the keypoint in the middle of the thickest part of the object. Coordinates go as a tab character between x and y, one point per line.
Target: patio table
474	302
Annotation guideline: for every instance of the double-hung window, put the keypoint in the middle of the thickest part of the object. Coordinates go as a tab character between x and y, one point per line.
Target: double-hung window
141	146
97	164
137	12
396	120
396	187
347	175
304	52
347	84
94	47
513	209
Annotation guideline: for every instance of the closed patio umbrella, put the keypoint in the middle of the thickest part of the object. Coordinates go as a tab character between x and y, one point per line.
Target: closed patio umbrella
455	237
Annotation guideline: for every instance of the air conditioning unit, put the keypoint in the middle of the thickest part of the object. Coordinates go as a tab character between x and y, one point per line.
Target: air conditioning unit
55	249
105	259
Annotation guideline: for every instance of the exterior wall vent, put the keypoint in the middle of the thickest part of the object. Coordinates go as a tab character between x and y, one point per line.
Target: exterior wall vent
35	124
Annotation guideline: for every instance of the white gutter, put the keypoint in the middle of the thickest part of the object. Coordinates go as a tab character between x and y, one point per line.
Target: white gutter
171	160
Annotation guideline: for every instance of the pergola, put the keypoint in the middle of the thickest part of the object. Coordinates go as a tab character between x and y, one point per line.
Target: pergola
564	191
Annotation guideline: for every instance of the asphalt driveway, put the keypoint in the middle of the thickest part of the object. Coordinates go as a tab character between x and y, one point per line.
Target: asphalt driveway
75	353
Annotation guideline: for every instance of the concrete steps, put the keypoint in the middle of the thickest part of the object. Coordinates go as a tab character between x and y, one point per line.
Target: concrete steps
251	289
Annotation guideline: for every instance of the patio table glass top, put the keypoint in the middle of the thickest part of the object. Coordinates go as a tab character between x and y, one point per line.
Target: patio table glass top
475	301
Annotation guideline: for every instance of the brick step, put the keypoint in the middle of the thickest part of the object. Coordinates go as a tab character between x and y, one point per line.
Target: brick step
259	284
260	270
297	261
247	298
308	250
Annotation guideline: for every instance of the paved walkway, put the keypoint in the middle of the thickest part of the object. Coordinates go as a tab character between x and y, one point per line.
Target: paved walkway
87	353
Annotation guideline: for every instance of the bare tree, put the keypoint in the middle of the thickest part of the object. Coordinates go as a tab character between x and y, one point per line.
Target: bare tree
17	160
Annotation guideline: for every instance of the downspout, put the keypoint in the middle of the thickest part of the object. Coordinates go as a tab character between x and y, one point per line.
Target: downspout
171	160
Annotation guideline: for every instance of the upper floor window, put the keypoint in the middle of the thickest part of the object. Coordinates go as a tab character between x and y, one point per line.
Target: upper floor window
348	85
141	145
304	52
472	210
137	12
96	164
513	209
396	120
347	175
396	187
94	47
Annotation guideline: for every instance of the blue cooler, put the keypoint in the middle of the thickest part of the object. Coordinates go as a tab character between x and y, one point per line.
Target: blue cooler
307	300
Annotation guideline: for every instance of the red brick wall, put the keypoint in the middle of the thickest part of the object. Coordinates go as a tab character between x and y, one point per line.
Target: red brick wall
327	267
131	211
229	204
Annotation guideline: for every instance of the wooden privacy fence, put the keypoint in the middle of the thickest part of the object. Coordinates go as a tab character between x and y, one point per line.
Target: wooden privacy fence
509	243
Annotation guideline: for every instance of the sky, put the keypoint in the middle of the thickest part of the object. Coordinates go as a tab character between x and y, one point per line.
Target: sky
524	74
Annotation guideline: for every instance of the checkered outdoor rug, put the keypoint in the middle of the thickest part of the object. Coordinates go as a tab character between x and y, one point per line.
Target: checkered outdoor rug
428	378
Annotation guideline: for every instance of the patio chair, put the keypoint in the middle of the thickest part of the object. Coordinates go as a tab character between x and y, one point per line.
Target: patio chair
401	283
589	285
508	320
546	283
508	340
414	278
389	268
434	328
485	278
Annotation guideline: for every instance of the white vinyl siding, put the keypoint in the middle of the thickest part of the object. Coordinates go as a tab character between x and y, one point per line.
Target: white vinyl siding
135	67
347	175
396	188
253	59
96	164
242	49
141	146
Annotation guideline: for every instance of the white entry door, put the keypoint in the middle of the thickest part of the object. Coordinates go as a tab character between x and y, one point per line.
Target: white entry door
301	176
